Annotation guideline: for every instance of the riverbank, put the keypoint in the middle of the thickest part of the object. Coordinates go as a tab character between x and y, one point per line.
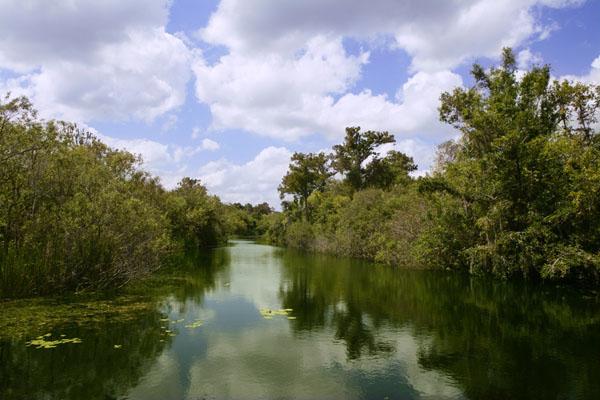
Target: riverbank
516	195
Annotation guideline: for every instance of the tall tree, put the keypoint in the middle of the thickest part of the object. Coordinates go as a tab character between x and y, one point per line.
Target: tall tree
391	170
350	157
307	173
524	173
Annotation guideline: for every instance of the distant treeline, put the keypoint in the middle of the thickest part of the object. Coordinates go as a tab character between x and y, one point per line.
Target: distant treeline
75	213
517	195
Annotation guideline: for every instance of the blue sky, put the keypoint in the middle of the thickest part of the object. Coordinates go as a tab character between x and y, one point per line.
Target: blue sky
225	91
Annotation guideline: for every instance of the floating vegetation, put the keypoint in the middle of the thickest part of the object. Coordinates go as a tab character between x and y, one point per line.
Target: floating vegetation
117	346
180	320
41	343
226	284
164	320
269	314
194	325
27	318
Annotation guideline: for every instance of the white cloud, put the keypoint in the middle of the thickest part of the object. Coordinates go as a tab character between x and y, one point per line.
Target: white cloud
415	111
526	58
293	97
253	182
95	60
287	74
274	95
169	162
421	152
592	77
438	34
208	144
195	132
154	154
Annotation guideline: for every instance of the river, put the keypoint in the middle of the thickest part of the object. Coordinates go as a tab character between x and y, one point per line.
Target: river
251	321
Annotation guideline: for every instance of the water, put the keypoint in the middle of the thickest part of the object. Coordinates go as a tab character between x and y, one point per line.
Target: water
355	330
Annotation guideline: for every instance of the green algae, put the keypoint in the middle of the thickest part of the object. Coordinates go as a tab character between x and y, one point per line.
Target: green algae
269	314
41	343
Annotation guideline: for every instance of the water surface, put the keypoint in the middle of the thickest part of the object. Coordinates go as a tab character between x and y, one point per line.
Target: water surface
216	327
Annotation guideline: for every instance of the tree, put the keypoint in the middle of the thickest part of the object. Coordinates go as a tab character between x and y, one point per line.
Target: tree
307	173
350	157
525	173
391	170
196	217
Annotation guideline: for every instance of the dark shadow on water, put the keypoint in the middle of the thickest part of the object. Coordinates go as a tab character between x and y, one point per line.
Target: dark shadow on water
496	339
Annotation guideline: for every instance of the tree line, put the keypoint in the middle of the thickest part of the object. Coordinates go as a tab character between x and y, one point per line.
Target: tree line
75	213
518	194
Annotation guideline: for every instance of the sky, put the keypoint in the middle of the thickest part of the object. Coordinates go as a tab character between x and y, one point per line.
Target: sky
226	91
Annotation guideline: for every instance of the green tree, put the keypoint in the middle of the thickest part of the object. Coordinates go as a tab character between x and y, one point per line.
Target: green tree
350	157
307	174
389	171
197	219
516	176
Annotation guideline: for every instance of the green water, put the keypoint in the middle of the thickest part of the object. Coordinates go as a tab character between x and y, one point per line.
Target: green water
355	330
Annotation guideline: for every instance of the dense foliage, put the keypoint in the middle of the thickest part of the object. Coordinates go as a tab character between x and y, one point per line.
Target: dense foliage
75	213
373	211
247	220
517	194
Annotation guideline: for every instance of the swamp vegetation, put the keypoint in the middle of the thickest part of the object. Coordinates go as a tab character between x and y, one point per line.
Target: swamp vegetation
518	194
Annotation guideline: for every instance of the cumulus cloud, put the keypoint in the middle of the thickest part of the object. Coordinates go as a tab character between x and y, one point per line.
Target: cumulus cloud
167	161
593	75
107	60
253	182
208	144
439	35
275	95
288	75
414	112
293	97
526	58
195	132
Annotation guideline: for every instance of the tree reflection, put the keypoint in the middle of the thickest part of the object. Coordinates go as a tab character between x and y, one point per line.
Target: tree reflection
94	369
496	339
122	334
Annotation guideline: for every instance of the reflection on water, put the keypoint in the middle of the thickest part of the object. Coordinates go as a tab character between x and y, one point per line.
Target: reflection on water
360	331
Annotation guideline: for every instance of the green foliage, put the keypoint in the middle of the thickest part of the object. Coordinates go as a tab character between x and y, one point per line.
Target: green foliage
196	218
75	213
247	220
308	173
299	235
518	193
359	215
350	159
